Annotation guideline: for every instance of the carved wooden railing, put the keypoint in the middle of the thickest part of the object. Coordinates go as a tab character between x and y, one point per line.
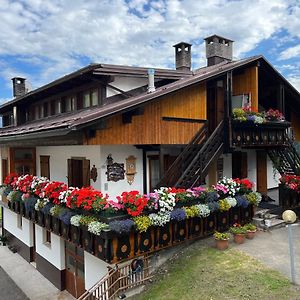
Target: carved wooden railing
198	166
249	134
286	160
185	158
118	280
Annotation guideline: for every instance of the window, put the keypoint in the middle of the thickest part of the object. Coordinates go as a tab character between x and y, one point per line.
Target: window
45	166
19	221
45	105
90	98
46	237
7	119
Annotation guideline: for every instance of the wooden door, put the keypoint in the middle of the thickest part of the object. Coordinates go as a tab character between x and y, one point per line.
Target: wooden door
261	167
74	270
45	166
4	168
239	164
78	172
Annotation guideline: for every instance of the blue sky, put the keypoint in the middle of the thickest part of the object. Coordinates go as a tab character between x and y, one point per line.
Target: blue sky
43	40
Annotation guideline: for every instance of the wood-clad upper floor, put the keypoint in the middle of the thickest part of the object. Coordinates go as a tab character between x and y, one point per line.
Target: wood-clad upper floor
173	119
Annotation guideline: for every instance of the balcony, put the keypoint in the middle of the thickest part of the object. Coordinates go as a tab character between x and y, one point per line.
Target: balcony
251	135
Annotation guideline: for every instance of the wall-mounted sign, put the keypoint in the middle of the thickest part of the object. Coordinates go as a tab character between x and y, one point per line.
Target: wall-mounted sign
130	168
115	172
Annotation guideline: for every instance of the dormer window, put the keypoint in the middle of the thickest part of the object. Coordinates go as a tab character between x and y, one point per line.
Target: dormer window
7	119
90	98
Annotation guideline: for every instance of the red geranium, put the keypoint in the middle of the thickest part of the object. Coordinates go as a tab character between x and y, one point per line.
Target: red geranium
245	185
291	181
53	189
11	178
134	202
23	183
85	198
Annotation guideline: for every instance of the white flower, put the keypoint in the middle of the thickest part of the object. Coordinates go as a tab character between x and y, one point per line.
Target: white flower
203	210
160	219
74	220
96	227
232	201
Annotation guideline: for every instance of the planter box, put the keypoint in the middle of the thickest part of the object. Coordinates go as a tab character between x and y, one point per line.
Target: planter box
124	248
22	209
40	218
48	222
222	221
113	217
75	235
65	231
87	240
209	224
56	225
234	215
103	248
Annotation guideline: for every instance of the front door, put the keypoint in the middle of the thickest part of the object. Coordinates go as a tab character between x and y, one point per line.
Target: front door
261	166
239	165
74	270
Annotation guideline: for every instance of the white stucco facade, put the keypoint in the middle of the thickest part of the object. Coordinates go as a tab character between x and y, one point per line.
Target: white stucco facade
24	233
53	252
97	155
125	84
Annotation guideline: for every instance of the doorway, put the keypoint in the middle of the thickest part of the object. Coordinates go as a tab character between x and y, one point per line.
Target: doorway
239	165
261	167
74	270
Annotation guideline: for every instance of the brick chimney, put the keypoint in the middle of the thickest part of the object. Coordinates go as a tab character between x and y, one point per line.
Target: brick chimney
19	88
218	49
183	56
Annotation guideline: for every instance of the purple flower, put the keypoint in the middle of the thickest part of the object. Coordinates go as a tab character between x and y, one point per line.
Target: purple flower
241	201
178	214
121	227
65	215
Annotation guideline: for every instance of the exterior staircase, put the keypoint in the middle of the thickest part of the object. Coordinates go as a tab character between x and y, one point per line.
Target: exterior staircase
191	166
286	160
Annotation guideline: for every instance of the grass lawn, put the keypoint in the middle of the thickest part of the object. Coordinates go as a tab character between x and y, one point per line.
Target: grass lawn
202	272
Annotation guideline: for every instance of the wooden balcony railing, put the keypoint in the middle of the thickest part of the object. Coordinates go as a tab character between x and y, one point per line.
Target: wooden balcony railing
270	134
113	248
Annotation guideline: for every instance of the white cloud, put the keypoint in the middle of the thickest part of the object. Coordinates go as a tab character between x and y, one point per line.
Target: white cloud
290	53
54	35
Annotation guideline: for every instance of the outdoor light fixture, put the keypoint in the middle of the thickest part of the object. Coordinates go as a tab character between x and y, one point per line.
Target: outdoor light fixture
289	218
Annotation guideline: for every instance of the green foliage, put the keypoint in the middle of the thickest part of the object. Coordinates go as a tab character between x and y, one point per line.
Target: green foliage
250	227
239	114
86	220
238	229
191	211
142	223
221	235
224	205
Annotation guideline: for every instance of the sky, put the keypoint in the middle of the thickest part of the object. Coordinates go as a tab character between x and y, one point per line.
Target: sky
43	40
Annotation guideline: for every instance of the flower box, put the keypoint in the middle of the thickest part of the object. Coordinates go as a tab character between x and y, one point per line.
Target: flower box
75	235
222	221
103	248
124	249
234	215
144	241
65	231
48	222
107	218
22	209
209	224
87	239
40	218
56	225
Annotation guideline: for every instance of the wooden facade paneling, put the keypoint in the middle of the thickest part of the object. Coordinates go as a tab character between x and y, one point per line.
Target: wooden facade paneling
150	128
295	120
245	83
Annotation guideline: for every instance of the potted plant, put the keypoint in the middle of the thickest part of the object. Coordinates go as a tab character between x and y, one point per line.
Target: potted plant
239	233
3	240
251	230
222	240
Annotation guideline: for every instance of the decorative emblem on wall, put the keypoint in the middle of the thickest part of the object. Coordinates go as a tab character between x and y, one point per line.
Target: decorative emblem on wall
94	173
115	171
130	168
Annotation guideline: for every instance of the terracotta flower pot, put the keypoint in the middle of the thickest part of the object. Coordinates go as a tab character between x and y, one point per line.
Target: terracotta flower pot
239	238
250	234
222	244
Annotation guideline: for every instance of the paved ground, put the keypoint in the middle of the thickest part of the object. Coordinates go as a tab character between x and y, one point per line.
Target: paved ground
272	249
9	290
27	278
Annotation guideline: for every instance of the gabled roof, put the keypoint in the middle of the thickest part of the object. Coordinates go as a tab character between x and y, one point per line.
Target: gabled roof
80	119
99	69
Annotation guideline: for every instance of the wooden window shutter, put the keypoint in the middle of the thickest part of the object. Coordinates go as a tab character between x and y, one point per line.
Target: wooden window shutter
70	173
244	165
45	166
86	172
